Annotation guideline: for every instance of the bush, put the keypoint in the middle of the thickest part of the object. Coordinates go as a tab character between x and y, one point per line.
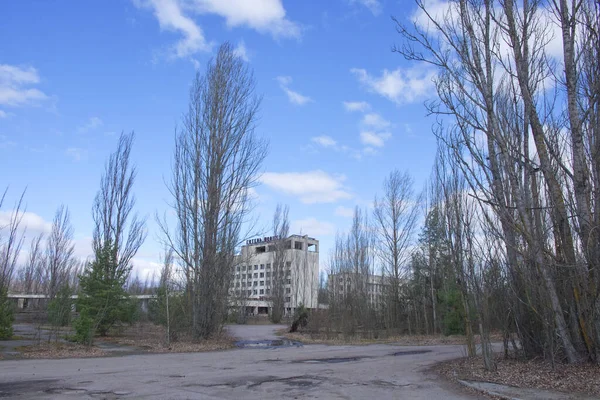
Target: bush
6	316
59	308
84	328
300	318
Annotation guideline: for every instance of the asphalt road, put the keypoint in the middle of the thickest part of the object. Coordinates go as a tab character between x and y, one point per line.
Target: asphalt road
315	372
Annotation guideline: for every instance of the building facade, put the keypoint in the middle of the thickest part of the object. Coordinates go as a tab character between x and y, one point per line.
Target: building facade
342	284
252	284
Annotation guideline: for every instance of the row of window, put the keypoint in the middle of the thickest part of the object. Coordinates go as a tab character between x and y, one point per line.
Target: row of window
256	292
257	283
257	275
288	264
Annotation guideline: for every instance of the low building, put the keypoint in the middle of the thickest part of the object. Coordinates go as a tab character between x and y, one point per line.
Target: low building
342	284
252	282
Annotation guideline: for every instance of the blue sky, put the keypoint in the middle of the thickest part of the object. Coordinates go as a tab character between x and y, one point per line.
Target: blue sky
339	109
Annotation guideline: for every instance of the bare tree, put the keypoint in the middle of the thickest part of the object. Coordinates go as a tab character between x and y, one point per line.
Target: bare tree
217	159
115	224
281	227
11	241
59	259
395	216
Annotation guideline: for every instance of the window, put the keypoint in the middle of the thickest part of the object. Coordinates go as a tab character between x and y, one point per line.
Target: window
262	291
256	275
237	284
238	269
243	284
255	291
268	274
288	290
262	274
249	292
268	266
287	299
243	276
288	264
243	267
268	291
262	266
256	267
262	283
288	281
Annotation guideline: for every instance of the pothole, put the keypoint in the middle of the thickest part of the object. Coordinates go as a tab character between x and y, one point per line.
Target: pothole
331	360
267	344
410	352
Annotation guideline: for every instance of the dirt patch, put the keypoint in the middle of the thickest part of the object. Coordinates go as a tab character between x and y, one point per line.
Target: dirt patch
538	374
150	338
59	350
402	340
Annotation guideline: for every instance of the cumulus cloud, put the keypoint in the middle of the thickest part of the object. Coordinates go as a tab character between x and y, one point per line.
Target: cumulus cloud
15	86
241	51
266	16
401	85
310	187
361	106
312	227
370	138
293	97
376	121
31	223
325	141
372	5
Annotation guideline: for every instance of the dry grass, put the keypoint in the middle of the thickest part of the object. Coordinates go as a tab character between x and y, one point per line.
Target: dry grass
583	378
151	338
403	340
60	350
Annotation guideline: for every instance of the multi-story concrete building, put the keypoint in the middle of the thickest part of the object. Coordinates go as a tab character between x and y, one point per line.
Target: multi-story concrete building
343	283
253	281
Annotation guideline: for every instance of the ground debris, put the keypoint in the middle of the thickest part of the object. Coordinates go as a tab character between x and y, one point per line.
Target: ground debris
539	374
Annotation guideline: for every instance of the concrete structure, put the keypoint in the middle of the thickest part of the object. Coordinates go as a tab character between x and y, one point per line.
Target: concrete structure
342	283
252	283
24	301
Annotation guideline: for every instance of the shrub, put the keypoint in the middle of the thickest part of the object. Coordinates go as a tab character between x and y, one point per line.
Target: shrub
300	318
6	316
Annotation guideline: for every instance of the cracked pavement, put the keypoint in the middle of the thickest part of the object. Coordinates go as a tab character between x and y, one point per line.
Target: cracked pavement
308	372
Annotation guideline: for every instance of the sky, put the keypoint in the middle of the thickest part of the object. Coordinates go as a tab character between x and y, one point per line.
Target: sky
340	110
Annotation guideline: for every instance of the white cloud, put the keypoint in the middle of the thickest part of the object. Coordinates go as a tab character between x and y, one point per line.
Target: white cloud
344	212
266	16
3	114
241	51
14	86
293	97
376	121
374	139
361	106
373	5
312	227
171	18
31	223
310	187
76	153
92	124
325	141
400	85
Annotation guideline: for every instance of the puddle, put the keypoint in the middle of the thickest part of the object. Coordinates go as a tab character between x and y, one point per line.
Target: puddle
333	360
410	352
267	344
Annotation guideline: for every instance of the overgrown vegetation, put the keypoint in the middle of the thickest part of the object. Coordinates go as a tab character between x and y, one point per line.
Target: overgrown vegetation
6	316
